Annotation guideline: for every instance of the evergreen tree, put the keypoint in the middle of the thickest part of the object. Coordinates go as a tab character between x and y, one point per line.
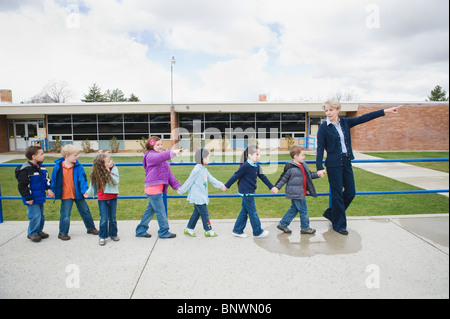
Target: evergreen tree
438	94
114	96
94	95
133	98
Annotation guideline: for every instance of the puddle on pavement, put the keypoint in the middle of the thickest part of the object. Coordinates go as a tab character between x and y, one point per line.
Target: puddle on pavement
324	242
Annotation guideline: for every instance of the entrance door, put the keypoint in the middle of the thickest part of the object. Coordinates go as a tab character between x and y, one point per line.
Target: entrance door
24	133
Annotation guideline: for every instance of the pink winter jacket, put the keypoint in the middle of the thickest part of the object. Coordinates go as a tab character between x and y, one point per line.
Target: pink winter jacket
157	170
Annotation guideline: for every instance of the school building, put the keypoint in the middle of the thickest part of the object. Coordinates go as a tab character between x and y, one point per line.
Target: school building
419	126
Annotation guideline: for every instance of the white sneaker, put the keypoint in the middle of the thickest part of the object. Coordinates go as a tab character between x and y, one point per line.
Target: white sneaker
240	235
102	241
265	233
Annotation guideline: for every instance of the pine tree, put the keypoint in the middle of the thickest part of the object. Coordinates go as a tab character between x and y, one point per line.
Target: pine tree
133	98
438	94
114	96
94	95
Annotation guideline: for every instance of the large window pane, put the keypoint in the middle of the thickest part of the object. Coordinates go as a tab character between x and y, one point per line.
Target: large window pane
293	126
59	129
67	118
110	128
293	116
215	117
159	128
109	118
160	117
184	117
242	117
136	118
136	128
271	117
85	118
84	128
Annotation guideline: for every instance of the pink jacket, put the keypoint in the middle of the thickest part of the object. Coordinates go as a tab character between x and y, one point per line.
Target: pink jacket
157	170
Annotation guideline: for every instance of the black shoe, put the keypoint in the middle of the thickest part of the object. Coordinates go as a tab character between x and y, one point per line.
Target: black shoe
147	235
284	229
170	236
342	232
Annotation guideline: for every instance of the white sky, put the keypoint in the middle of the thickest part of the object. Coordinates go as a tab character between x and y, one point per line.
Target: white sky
234	50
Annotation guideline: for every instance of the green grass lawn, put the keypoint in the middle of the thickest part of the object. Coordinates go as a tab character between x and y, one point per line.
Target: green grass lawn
132	183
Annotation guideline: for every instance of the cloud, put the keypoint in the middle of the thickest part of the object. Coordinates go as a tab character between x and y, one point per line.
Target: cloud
227	50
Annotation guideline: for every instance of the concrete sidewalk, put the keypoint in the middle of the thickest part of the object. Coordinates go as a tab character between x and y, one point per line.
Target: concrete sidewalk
425	178
382	257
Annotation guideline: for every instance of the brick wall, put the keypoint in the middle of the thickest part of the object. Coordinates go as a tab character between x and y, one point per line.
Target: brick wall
5	95
3	134
416	127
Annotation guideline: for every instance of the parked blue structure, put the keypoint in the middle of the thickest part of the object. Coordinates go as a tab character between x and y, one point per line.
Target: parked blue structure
257	195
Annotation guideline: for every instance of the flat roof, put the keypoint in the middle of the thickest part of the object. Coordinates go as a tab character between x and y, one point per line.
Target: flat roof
204	107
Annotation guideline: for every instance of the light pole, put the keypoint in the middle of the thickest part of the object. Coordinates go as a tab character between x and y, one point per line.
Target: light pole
173	123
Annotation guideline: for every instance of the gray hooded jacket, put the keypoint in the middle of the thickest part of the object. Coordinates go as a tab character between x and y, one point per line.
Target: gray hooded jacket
292	176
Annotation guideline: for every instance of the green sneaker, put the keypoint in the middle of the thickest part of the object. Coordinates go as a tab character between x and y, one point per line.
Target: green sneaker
186	232
210	234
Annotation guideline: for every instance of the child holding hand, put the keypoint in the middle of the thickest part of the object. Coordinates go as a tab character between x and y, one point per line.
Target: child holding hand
298	180
33	182
158	177
105	184
69	183
247	175
197	183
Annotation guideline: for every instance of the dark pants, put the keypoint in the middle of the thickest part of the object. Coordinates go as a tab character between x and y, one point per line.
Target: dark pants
342	184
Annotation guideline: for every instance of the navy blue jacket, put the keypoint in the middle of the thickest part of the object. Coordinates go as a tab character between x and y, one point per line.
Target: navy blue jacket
33	182
247	175
79	179
328	139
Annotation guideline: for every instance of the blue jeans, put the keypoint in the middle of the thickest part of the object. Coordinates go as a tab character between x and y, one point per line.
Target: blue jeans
36	216
248	208
155	205
66	209
200	210
340	178
108	222
297	206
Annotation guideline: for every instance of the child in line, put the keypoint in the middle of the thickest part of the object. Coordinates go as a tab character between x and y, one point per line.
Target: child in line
105	185
247	175
69	183
298	180
197	183
158	177
33	182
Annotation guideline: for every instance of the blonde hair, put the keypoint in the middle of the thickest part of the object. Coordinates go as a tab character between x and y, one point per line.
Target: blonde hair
332	103
69	149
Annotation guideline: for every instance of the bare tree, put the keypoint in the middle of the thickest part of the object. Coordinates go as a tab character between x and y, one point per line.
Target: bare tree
53	92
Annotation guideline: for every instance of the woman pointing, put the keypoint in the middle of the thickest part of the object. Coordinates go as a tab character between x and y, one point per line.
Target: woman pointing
334	137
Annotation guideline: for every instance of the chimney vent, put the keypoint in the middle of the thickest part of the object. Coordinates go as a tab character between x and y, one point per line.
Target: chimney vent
5	96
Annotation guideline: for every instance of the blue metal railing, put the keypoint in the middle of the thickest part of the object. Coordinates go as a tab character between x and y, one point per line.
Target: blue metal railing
256	195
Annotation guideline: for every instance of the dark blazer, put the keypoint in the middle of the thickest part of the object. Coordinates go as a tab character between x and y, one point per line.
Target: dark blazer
328	139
